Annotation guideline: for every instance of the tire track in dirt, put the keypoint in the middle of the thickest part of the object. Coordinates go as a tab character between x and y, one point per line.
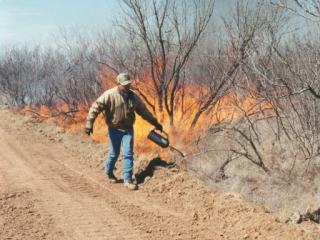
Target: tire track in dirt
81	216
132	214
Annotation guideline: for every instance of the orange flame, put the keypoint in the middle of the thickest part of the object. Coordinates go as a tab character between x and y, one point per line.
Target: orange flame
230	108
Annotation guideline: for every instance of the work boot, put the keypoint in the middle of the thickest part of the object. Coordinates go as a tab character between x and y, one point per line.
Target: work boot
130	186
112	178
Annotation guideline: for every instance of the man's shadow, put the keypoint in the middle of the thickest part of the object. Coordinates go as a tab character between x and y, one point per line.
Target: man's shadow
152	166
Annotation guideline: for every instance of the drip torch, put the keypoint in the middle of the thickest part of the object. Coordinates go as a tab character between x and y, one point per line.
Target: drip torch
162	140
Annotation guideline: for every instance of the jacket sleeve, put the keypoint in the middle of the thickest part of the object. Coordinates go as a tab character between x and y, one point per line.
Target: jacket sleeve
103	102
142	110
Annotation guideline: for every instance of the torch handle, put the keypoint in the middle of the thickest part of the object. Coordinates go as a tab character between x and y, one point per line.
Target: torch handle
165	133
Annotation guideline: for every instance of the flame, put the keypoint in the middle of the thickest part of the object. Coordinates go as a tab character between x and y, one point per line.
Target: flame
229	108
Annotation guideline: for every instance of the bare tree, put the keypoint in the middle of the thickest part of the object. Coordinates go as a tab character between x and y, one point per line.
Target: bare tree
243	31
79	80
309	9
20	70
166	32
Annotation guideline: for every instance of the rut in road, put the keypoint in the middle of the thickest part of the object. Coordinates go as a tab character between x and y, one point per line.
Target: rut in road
73	202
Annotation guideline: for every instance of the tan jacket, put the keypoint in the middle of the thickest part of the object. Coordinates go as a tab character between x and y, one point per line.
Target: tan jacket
119	113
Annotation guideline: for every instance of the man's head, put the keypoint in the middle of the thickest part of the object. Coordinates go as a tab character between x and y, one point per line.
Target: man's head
124	81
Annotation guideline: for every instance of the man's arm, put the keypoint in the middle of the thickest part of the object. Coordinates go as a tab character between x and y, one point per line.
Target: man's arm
101	103
143	111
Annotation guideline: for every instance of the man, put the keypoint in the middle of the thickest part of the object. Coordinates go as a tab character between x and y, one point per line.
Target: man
119	105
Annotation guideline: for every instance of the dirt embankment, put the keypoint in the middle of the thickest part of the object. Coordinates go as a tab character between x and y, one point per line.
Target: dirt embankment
52	186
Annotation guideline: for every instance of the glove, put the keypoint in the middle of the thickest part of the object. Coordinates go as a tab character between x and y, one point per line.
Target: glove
159	127
89	131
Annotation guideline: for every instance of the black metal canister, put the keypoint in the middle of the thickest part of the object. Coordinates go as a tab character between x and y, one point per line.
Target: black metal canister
159	139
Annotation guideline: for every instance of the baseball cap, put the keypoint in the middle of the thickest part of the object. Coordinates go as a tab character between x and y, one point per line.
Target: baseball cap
123	79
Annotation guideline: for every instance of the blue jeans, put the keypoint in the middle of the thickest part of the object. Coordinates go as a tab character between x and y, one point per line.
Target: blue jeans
115	138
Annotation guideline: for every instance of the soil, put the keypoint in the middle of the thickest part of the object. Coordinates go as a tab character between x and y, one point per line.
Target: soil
52	186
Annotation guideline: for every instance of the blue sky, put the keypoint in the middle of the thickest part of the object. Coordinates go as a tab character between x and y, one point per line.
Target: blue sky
37	21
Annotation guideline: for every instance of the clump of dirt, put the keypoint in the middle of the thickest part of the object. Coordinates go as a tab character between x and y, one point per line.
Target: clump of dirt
20	218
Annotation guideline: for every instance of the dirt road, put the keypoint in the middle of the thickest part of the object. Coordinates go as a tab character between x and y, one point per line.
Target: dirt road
77	206
46	192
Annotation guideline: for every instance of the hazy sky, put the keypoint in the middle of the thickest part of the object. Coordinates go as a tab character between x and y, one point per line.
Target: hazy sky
37	21
25	21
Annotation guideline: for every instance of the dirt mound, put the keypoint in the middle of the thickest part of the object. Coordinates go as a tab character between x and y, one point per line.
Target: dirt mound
70	197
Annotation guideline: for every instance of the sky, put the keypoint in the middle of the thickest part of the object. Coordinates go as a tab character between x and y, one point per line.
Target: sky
24	22
37	21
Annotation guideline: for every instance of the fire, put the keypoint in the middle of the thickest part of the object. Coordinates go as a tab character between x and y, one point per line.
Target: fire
229	108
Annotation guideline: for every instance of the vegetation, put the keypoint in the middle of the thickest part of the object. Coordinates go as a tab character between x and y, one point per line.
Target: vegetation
182	50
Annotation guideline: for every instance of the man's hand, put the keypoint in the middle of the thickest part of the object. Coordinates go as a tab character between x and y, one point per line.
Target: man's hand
89	131
159	127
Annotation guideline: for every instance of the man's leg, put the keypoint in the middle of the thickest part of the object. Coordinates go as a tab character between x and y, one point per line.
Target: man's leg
115	138
127	144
